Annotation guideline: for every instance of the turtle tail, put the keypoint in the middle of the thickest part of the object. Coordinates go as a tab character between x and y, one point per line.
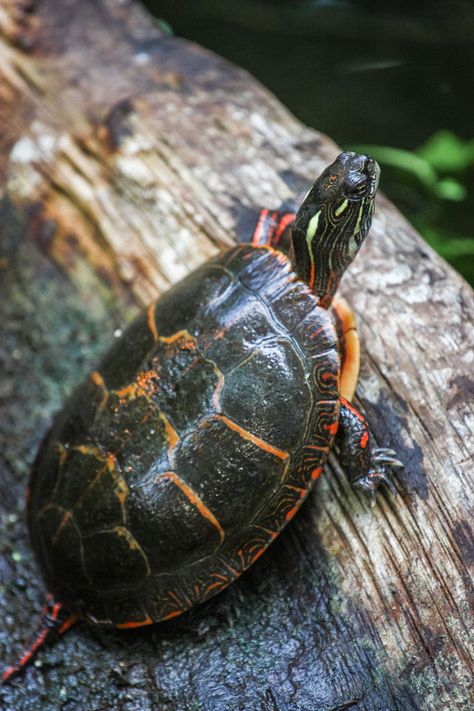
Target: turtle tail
55	620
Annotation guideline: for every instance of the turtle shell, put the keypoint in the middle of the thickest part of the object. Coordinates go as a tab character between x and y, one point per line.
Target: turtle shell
181	458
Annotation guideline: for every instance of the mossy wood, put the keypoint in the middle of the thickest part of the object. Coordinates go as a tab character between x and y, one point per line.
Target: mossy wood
126	159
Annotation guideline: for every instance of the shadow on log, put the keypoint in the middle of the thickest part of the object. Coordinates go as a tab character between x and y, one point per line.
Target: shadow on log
126	159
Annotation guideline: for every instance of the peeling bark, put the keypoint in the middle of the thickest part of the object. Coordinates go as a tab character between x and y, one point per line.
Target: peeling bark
126	159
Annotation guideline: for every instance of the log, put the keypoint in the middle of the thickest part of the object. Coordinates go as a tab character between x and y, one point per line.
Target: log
126	159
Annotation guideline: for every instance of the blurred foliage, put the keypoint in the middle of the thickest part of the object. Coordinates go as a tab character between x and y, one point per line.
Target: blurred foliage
384	72
433	185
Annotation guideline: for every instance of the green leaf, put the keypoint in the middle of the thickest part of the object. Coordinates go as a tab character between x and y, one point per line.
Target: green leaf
451	189
448	245
446	152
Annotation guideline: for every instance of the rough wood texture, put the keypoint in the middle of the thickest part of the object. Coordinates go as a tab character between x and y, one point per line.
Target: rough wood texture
127	158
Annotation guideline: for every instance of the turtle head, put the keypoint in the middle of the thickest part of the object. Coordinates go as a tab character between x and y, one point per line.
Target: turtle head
333	221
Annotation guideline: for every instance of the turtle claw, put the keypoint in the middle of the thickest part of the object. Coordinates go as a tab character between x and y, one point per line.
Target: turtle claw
391	462
368	467
385	450
387	457
382	461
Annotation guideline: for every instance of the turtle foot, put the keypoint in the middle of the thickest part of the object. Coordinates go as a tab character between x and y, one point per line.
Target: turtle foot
383	460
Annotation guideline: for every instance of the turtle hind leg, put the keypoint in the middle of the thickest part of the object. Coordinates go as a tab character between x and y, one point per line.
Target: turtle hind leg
366	466
55	620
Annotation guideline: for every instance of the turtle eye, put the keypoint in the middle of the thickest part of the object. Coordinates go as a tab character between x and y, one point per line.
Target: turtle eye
358	189
356	186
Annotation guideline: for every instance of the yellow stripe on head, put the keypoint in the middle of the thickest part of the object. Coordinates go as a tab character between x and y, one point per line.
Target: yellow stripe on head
312	226
342	207
310	232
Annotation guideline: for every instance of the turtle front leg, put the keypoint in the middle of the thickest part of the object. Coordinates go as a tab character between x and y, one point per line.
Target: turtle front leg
367	467
273	227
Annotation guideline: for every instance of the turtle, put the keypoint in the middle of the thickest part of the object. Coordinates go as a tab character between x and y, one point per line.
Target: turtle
180	459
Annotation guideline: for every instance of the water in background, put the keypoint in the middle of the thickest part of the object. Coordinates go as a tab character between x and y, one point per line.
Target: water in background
395	78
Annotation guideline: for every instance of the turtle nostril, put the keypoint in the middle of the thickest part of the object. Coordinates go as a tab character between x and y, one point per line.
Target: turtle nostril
370	165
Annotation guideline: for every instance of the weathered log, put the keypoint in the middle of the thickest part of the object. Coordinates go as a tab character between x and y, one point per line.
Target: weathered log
126	159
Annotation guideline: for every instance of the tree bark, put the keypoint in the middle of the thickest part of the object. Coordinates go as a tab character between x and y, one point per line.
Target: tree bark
126	159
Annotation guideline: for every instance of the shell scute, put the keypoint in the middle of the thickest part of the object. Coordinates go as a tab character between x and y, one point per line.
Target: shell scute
166	518
130	565
275	375
61	538
244	472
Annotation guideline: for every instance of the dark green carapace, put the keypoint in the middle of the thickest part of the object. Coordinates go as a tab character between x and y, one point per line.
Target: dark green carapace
177	463
181	458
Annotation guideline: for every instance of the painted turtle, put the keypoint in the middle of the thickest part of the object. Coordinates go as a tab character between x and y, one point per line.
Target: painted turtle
178	461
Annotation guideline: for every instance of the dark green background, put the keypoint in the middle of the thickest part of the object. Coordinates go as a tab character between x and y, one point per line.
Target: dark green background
368	73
